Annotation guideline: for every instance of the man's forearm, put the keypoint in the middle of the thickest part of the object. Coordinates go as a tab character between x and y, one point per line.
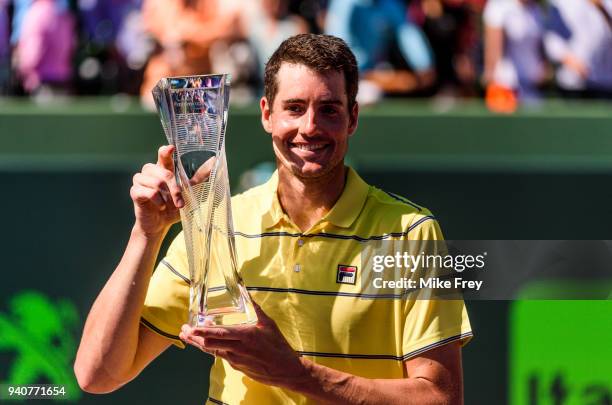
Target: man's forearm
327	385
110	336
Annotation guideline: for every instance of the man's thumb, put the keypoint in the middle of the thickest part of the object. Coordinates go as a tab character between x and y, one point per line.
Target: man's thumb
164	157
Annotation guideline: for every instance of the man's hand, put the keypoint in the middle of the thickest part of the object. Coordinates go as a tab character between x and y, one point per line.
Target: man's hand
156	196
260	351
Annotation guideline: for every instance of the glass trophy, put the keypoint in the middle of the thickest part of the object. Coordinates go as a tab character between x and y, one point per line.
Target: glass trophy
193	112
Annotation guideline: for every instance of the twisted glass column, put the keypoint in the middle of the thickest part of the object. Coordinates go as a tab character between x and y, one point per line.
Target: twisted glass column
193	112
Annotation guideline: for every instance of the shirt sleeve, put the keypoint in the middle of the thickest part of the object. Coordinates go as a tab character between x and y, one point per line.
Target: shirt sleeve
557	35
494	12
167	302
414	46
433	321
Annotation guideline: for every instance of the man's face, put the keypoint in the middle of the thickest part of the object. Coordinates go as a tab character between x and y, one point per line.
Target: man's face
310	122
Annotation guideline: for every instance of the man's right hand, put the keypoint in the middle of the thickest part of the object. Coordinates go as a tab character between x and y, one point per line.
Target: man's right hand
156	196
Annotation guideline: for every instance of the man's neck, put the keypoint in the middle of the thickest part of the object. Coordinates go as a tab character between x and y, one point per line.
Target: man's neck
305	200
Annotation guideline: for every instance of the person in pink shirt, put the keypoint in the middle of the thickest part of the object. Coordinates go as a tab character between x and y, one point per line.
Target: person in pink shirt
45	48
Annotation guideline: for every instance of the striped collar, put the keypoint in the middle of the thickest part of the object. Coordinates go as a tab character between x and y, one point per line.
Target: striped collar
343	214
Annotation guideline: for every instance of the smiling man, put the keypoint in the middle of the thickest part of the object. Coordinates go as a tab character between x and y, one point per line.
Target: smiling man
299	239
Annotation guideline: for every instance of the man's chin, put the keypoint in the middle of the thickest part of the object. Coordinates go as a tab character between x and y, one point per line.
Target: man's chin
312	172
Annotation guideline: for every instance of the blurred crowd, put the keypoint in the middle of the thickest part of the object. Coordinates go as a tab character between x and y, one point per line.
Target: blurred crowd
508	51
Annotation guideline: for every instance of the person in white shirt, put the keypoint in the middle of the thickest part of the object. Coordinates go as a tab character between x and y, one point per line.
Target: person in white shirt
579	39
513	46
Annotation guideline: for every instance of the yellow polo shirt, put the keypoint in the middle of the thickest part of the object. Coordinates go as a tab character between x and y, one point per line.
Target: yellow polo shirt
294	276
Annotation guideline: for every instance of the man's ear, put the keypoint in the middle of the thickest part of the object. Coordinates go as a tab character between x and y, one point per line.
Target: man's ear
354	116
266	111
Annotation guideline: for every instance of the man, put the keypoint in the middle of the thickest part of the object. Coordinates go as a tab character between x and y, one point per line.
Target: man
317	340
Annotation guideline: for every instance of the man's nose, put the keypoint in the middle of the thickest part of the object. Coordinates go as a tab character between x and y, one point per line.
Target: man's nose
309	124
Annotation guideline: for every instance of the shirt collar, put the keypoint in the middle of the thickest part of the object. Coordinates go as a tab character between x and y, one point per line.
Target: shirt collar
351	201
272	212
343	214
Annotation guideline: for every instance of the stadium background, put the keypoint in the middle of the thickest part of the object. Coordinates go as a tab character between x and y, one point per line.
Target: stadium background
66	171
540	170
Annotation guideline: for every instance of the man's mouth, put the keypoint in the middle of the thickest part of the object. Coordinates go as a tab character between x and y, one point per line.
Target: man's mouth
311	147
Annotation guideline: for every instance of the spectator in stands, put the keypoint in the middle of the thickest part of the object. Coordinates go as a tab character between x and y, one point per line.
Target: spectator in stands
312	11
184	31
450	27
263	25
134	46
579	40
369	27
45	47
267	23
5	49
120	48
514	61
20	8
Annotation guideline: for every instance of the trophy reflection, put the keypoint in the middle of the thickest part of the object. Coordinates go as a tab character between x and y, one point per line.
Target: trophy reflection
193	112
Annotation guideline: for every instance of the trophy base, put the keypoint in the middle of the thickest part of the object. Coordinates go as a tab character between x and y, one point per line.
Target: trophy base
241	314
223	319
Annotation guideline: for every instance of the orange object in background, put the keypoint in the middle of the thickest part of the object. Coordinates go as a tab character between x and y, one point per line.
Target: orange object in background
501	99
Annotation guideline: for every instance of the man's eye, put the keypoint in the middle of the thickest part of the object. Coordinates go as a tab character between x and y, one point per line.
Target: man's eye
329	110
294	108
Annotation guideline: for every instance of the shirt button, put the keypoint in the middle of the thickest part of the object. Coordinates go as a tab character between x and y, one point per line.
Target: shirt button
300	242
297	268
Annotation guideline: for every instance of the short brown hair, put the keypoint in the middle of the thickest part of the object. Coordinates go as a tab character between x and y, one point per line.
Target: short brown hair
318	52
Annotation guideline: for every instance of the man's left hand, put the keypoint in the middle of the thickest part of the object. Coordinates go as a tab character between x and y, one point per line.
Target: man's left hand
260	351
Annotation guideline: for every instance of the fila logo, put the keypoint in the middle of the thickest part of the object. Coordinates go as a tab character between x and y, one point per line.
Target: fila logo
346	274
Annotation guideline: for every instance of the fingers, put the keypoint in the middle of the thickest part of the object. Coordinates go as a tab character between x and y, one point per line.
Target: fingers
142	195
217	337
203	173
165	170
216	347
164	157
187	336
162	183
237	332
